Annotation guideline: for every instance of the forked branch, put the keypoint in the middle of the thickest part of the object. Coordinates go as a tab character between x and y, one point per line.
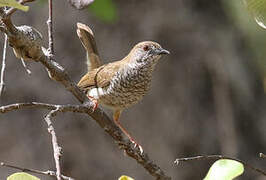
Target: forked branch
32	51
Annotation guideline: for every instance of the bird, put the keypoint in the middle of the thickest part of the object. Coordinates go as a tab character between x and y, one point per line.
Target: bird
120	84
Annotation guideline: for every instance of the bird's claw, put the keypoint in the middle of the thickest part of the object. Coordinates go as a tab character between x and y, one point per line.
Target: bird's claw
95	103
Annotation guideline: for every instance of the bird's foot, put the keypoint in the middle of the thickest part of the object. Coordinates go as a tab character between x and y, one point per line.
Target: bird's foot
136	145
95	103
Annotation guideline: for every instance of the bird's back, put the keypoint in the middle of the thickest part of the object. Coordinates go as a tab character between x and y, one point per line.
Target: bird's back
99	77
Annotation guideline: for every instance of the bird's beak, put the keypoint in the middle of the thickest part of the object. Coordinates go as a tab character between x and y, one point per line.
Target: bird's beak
161	51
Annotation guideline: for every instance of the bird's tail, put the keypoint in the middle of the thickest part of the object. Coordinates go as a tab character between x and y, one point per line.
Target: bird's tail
86	37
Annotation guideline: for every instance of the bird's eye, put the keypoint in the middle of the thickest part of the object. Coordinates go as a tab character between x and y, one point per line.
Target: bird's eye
146	48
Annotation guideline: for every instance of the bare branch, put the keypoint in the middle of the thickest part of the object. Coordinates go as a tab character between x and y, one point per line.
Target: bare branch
50	28
20	39
57	149
103	120
50	173
216	157
2	83
25	66
62	108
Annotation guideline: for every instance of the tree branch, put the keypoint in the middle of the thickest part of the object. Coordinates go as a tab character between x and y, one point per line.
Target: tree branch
25	66
2	83
32	51
58	73
216	157
57	149
61	108
50	28
50	173
122	140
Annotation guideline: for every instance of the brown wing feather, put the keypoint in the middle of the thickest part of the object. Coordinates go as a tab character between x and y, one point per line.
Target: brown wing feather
99	77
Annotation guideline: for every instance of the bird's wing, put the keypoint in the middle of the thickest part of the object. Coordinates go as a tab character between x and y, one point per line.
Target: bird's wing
99	77
86	37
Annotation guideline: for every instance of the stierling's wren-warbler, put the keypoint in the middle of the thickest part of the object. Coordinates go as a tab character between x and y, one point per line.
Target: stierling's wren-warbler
120	84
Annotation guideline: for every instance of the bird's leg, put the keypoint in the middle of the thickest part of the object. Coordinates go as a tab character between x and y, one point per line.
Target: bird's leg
116	116
95	102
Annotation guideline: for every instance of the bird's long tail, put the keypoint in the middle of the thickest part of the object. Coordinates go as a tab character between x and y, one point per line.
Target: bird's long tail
86	37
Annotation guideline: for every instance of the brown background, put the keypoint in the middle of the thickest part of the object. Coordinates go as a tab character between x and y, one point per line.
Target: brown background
207	97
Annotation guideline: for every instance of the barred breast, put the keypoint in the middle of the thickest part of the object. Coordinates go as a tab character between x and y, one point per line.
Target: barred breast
128	86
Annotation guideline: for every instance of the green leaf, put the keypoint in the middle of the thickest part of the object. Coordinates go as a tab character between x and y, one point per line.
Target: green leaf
22	176
13	3
257	8
125	178
225	169
104	10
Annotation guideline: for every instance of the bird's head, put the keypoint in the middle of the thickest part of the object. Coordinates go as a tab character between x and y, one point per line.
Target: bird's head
147	51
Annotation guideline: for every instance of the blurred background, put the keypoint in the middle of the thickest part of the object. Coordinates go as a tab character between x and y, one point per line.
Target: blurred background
207	97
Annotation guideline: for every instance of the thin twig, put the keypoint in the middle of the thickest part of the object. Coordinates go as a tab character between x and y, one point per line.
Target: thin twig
50	29
57	149
105	123
216	157
50	173
59	74
2	83
62	108
25	66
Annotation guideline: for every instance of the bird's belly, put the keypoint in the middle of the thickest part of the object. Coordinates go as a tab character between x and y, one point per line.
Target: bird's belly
119	97
125	89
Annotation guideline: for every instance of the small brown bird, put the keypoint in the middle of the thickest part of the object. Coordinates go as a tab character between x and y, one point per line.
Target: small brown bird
120	84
